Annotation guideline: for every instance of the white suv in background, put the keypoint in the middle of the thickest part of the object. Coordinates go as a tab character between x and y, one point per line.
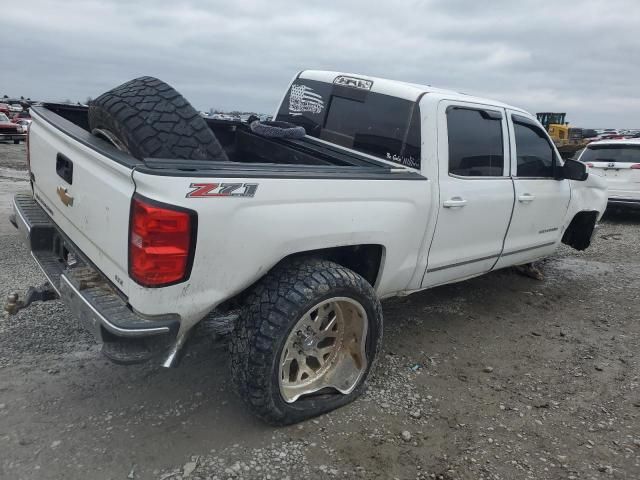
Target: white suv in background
618	161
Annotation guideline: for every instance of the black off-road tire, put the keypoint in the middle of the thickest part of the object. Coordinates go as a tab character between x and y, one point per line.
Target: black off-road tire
152	120
271	311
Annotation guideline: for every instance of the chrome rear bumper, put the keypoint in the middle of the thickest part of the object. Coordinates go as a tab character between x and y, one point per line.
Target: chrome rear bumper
91	298
10	137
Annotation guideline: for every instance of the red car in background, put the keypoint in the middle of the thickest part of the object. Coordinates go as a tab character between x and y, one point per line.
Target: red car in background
607	136
10	131
4	108
21	116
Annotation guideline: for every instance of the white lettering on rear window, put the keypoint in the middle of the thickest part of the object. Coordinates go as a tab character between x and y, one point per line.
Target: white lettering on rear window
407	161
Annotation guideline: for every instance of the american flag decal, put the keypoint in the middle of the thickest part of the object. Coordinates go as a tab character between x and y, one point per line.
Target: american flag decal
304	99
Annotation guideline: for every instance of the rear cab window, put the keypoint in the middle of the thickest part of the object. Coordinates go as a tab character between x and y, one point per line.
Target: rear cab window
354	117
623	153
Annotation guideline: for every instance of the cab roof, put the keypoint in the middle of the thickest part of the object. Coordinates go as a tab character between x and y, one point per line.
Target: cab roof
396	88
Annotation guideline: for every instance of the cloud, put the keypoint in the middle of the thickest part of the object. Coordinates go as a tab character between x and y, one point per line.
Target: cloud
576	56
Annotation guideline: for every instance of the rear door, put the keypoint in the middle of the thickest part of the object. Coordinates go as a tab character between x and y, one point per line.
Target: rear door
476	191
541	200
619	164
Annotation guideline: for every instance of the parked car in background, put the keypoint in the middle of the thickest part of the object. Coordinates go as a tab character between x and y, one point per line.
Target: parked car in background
10	131
15	107
4	108
610	136
618	161
606	136
24	115
24	124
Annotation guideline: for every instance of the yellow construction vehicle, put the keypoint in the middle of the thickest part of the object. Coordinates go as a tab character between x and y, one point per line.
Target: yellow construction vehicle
568	140
556	126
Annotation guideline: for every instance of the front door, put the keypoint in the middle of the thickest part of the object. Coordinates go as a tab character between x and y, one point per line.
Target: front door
476	192
541	200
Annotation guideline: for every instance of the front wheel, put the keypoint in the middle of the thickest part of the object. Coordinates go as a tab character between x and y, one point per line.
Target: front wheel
306	341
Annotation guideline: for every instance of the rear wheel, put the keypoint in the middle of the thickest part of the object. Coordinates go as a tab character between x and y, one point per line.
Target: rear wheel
306	341
149	119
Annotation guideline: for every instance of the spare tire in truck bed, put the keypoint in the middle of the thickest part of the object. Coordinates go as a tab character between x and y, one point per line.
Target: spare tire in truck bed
149	119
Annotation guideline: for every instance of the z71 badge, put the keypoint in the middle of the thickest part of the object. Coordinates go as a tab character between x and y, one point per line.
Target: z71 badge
206	190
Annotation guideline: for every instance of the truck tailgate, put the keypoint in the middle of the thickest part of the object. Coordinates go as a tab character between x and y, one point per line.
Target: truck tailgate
87	194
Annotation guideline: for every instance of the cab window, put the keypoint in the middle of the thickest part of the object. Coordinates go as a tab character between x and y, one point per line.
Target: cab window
476	147
536	157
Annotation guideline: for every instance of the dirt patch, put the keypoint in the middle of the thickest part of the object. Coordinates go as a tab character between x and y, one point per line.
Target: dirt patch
12	156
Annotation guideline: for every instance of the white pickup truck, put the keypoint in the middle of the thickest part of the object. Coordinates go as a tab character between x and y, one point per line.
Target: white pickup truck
147	218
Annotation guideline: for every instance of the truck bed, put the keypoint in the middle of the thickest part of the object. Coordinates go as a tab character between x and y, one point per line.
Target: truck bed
249	155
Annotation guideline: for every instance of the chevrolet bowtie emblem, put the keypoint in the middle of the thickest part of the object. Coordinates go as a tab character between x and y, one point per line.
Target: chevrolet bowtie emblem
65	197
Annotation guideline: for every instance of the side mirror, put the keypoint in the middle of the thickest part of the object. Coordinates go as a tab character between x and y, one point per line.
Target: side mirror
574	170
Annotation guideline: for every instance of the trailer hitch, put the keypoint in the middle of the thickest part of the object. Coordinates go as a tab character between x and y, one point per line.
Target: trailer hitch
43	293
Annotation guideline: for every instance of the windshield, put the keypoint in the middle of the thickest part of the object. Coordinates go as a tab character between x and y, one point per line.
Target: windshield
612	153
380	125
3	118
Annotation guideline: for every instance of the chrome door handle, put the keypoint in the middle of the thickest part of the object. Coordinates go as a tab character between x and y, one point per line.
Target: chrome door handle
526	198
455	202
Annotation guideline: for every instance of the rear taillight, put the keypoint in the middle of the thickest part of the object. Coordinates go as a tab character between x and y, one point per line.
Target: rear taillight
635	166
161	243
590	165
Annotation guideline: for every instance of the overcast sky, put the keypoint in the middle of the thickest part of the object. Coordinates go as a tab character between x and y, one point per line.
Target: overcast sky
579	57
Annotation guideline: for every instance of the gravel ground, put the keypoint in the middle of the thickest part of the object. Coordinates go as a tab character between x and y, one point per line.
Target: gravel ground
500	377
13	157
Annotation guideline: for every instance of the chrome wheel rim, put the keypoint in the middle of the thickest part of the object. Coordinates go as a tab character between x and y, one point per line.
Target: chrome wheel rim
325	349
